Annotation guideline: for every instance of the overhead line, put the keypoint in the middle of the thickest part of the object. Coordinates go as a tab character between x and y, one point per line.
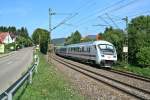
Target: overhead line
123	6
102	10
112	20
64	21
116	9
104	20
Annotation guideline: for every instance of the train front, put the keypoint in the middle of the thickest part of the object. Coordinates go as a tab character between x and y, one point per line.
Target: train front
107	55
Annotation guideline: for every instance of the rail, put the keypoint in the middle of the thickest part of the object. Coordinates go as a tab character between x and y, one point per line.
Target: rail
8	94
129	89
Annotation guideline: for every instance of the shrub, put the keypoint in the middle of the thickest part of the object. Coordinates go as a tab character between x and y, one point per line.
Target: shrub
9	47
143	56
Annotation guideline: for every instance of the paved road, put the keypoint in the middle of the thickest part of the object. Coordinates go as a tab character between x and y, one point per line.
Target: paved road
13	66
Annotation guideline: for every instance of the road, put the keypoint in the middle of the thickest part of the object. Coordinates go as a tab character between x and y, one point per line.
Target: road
13	66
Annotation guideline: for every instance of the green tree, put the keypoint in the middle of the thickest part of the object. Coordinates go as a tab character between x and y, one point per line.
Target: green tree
86	39
143	56
139	37
74	38
116	37
41	36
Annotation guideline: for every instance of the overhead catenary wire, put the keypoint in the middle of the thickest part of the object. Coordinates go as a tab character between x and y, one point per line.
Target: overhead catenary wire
101	25
112	20
104	20
71	14
100	11
112	6
64	21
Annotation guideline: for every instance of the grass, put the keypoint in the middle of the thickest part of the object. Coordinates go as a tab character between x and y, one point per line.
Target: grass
144	71
47	85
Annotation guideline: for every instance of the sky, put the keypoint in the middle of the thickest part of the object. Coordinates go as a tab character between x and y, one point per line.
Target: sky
87	14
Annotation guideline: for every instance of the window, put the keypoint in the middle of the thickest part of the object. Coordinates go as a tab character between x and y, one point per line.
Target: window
82	49
94	46
107	49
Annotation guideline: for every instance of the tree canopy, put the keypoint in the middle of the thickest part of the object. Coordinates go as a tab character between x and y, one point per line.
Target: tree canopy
139	38
74	38
41	37
116	37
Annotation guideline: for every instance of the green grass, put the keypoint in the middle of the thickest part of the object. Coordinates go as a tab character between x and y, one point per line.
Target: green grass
144	71
47	84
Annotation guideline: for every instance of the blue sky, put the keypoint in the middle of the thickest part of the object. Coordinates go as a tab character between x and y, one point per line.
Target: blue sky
34	14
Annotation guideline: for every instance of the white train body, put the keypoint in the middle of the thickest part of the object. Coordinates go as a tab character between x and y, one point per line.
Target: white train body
99	52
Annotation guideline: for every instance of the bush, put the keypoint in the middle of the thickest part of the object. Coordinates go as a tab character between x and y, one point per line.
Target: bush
9	47
143	56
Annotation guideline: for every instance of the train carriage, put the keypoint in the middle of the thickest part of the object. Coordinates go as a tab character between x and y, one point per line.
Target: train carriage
99	52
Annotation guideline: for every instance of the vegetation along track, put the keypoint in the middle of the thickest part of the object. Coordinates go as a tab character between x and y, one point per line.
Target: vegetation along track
129	89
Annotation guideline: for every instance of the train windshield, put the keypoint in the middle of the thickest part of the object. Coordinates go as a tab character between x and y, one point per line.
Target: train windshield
107	49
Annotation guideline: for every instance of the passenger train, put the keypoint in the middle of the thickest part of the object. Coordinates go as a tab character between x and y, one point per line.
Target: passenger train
99	52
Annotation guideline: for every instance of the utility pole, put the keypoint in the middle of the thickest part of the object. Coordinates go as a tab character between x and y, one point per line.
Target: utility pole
125	45
50	32
50	46
50	17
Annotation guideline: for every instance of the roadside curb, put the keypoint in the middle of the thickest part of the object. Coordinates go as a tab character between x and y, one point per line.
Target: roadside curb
7	54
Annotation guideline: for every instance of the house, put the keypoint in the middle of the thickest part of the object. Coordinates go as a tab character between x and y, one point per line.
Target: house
5	38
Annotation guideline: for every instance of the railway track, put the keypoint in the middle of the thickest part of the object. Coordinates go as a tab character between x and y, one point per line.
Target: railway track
139	77
128	74
129	89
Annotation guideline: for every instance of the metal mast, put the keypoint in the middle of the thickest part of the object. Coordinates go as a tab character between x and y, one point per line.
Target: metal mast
125	46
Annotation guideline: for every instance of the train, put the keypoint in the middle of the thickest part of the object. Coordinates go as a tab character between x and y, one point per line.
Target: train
102	53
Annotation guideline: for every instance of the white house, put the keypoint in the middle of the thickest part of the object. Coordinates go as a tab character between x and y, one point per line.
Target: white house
5	38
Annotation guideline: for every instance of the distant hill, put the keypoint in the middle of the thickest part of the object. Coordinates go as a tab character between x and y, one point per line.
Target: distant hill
91	36
58	41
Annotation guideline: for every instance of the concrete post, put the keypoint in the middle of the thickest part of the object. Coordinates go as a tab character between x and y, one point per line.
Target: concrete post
9	96
36	68
30	77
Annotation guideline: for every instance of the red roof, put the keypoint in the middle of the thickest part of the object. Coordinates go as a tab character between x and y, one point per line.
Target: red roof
3	36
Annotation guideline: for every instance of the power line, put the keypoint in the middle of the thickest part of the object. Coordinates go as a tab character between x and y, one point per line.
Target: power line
112	20
88	3
101	25
102	10
64	21
104	20
118	8
123	6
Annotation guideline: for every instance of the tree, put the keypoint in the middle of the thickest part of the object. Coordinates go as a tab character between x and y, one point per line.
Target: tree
116	37
41	36
74	38
86	39
143	56
139	37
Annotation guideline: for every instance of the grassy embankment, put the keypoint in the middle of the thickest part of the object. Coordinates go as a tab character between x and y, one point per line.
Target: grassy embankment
144	71
47	85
